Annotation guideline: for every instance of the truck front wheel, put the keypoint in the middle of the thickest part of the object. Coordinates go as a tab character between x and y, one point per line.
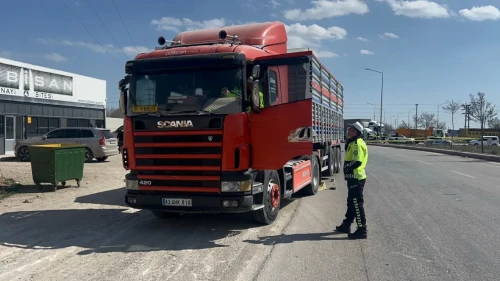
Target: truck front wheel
271	199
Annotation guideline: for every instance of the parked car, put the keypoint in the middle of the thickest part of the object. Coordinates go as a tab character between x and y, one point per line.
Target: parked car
486	140
436	142
100	142
401	139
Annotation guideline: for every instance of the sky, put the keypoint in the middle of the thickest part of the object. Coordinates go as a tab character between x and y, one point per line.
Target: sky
429	51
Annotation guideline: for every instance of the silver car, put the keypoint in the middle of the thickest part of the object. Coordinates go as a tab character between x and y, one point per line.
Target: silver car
100	142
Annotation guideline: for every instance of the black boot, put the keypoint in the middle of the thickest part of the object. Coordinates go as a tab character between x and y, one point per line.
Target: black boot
344	228
360	233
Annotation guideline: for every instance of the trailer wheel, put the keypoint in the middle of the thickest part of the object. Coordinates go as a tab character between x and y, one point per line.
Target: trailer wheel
338	160
271	199
313	187
332	163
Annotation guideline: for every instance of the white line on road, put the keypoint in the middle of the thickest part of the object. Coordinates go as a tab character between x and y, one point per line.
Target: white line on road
423	162
465	175
400	155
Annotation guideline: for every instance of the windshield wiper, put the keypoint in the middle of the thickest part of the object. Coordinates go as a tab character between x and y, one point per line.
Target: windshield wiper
200	112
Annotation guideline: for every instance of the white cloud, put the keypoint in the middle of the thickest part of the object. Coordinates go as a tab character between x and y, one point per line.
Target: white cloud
362	39
323	9
274	3
389	35
177	25
366	52
55	57
135	50
481	13
5	54
312	36
102	49
418	9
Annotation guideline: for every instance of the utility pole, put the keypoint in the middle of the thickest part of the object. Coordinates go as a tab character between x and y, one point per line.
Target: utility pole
416	115
467	118
381	97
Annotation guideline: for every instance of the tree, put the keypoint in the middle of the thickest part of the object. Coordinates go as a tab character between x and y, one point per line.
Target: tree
494	124
113	113
452	107
403	126
441	125
482	111
388	127
426	120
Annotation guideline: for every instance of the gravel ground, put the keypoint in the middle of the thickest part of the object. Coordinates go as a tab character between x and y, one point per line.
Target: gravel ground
88	233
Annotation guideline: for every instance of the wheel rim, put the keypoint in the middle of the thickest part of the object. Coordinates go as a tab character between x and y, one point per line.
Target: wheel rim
333	163
315	179
87	155
24	154
275	195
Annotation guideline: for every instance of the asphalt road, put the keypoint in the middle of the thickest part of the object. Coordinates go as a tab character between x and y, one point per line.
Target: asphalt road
430	217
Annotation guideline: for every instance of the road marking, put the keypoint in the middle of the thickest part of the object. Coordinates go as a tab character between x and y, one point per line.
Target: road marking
423	162
400	155
465	175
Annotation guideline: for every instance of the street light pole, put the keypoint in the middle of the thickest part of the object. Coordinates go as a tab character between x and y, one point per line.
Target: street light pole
437	118
381	96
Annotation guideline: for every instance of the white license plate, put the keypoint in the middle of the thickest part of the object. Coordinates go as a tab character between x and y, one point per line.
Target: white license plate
177	202
112	142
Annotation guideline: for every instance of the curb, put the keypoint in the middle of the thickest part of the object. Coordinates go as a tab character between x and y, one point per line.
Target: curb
487	157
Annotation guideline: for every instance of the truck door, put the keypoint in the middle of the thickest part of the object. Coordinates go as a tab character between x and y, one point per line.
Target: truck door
282	131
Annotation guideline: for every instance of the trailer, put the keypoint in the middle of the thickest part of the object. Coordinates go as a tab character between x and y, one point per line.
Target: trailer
197	139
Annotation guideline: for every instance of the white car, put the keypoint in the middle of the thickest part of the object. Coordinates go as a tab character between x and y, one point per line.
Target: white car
487	140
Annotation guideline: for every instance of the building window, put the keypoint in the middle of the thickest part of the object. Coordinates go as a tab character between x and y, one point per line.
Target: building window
72	123
99	123
43	125
53	124
83	123
2	129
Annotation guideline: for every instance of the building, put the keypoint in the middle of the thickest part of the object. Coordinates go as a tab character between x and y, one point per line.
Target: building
35	100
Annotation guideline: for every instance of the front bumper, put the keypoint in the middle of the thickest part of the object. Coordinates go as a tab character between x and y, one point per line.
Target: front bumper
200	203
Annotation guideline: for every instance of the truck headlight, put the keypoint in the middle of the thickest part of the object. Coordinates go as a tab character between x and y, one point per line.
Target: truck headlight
236	186
132	184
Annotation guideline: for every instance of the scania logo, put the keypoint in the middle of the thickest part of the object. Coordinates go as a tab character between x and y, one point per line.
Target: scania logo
175	124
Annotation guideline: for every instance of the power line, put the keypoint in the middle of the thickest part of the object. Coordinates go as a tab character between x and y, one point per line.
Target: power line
110	34
88	31
118	11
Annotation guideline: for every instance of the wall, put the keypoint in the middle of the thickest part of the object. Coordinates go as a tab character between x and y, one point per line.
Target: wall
113	123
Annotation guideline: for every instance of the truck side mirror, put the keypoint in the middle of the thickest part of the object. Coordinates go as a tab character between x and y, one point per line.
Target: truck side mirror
256	71
123	101
255	96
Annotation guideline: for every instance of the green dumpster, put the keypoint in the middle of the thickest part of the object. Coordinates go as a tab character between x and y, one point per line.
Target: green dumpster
56	163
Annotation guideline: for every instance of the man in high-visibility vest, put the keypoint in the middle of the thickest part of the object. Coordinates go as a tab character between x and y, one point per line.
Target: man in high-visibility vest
356	157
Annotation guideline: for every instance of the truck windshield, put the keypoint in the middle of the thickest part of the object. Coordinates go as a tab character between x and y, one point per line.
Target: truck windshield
215	91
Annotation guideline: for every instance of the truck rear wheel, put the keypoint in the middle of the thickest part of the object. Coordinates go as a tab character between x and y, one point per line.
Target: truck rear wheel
332	163
313	187
271	199
338	159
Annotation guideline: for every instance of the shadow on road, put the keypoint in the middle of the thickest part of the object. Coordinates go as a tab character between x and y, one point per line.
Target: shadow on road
291	238
113	197
116	230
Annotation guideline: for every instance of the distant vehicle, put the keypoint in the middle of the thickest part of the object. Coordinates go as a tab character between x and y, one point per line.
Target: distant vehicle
488	140
100	142
401	139
437	141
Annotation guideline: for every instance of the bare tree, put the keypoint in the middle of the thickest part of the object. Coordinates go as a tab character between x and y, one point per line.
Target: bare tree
441	125
113	112
427	120
452	107
494	124
482	111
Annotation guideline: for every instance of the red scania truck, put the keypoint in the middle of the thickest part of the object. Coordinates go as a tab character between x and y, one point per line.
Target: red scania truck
228	120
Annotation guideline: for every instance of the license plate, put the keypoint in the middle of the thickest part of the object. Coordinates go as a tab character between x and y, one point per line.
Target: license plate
145	108
112	142
177	202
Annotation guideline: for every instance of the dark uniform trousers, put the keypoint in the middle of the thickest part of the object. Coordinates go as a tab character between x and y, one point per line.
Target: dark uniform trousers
355	209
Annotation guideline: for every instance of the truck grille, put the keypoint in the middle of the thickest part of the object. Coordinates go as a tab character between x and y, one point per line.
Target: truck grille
179	161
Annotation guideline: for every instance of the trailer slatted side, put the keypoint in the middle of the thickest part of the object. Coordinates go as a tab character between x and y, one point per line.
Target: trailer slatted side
327	94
